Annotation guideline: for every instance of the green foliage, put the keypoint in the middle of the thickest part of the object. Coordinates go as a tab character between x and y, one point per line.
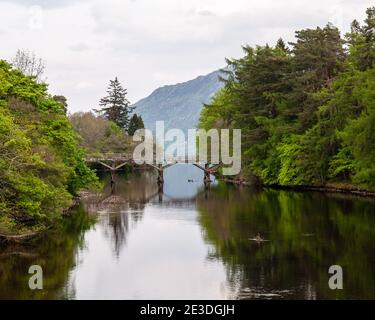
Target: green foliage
290	172
362	42
306	112
342	164
358	137
217	113
41	164
135	123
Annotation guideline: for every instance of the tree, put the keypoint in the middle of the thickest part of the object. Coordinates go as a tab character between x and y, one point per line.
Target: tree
362	41
41	164
98	134
135	123
63	102
115	106
254	99
29	64
318	57
306	113
282	45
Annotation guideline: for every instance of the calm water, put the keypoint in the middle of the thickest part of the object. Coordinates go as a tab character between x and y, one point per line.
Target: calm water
191	244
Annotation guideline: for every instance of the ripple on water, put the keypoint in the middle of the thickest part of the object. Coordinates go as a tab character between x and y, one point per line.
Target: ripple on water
261	293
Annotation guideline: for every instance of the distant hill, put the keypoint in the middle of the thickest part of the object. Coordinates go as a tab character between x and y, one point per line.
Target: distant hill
179	105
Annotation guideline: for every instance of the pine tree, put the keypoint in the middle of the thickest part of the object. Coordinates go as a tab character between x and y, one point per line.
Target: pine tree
306	113
317	58
115	106
135	123
282	45
362	42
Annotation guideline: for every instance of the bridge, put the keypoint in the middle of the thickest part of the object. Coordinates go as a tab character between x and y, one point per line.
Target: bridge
115	161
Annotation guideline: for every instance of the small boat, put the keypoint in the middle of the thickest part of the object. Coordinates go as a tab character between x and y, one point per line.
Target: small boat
190	180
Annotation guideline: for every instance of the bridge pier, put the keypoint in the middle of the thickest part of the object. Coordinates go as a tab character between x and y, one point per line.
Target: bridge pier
160	192
160	174
113	180
207	175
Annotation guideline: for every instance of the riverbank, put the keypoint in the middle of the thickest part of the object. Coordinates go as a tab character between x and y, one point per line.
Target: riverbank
19	238
328	188
24	234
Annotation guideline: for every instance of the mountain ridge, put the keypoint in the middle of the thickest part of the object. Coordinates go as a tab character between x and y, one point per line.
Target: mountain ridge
180	104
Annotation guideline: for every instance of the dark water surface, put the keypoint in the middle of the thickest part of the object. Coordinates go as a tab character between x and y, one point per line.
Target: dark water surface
191	244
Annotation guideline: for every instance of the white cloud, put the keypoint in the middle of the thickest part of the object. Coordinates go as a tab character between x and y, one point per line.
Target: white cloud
149	43
79	46
47	4
83	85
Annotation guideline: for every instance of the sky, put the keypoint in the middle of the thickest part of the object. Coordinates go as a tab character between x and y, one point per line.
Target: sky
151	43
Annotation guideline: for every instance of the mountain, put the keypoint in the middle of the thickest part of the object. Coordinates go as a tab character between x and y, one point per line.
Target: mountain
179	105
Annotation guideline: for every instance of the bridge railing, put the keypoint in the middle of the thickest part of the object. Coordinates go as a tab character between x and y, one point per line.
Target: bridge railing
108	157
129	157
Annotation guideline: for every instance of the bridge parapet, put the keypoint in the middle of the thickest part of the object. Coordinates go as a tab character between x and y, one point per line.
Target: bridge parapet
109	157
122	157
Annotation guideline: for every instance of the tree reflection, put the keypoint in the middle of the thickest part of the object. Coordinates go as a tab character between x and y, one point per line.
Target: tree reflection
308	232
56	252
121	204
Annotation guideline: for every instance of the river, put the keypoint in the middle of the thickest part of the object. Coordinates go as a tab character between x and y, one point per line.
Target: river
186	243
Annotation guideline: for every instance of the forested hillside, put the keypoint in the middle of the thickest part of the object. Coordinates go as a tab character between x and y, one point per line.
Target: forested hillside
306	110
41	164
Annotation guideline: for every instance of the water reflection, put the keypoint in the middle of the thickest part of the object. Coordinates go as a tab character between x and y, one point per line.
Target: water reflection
121	204
183	182
131	241
56	252
307	233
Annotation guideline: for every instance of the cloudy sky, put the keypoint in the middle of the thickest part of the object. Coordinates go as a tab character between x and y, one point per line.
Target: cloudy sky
150	43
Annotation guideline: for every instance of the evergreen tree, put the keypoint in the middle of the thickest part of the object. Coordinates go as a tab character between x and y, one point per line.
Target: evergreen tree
307	114
281	45
135	123
318	56
362	42
115	106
